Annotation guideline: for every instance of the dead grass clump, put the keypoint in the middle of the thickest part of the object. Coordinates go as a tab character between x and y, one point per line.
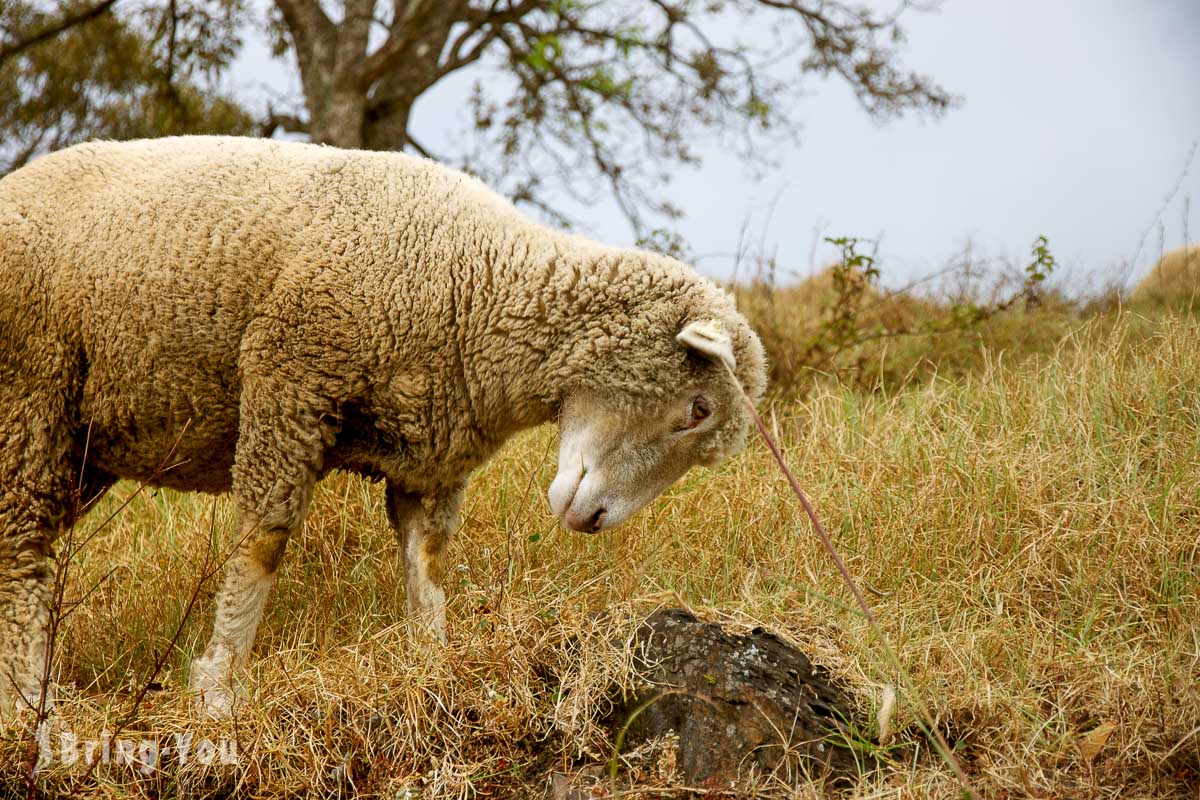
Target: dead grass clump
795	323
879	340
1174	282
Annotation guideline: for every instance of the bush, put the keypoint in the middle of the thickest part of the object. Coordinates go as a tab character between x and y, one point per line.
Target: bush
840	325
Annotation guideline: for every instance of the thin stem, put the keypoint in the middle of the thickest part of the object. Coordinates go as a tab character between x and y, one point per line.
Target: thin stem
942	745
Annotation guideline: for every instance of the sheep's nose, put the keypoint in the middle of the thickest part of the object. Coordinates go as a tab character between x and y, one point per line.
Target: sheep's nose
597	520
589	524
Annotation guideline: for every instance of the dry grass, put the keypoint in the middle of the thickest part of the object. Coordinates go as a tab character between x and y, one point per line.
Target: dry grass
1029	534
1174	282
898	339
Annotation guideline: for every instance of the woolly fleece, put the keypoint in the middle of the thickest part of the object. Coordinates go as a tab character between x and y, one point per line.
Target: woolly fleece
210	313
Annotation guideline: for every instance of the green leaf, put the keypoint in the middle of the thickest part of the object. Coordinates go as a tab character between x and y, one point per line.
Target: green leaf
543	51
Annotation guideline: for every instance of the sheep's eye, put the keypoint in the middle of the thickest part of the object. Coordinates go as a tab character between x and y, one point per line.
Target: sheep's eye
700	411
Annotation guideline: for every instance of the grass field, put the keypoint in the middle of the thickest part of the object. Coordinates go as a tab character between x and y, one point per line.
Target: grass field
1028	532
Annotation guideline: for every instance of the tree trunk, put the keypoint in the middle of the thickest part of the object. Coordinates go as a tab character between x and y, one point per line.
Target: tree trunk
337	114
387	120
356	99
330	59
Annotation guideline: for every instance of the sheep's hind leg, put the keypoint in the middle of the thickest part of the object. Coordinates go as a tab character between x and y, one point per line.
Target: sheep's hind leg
35	501
26	589
423	524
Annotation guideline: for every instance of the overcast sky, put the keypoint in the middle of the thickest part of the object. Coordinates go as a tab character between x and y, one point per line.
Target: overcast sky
1078	122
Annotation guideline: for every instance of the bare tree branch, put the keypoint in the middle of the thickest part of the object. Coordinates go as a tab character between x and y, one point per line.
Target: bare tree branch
305	17
423	25
491	24
276	121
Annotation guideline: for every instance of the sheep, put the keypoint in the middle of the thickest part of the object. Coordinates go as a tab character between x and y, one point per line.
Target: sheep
220	314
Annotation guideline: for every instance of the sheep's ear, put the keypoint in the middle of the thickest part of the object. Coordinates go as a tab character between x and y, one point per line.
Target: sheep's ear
708	338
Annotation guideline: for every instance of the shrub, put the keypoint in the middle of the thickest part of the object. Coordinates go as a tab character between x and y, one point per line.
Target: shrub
840	325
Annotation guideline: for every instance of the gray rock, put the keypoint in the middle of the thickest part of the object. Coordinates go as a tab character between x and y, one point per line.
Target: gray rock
740	704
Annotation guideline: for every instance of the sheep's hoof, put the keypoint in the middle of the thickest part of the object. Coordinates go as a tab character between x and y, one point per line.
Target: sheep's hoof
27	700
216	696
219	703
428	630
428	623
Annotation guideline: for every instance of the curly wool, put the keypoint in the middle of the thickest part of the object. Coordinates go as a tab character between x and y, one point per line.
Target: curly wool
214	313
396	294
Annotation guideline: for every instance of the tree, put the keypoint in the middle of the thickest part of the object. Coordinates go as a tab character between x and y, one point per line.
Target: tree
581	96
17	43
78	71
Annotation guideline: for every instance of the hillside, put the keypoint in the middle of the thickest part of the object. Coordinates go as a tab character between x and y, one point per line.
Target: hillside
1027	533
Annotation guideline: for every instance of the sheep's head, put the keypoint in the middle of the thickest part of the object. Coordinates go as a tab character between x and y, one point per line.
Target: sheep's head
615	456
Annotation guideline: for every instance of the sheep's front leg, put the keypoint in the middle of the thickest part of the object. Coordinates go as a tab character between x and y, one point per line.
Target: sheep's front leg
281	445
241	599
423	524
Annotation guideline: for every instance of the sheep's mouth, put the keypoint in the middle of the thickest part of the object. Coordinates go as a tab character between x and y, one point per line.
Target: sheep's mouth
563	501
595	521
570	501
564	489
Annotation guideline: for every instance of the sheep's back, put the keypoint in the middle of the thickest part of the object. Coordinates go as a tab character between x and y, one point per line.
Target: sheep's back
150	261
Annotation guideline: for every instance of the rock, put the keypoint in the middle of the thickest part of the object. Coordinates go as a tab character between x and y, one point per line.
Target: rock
739	703
584	784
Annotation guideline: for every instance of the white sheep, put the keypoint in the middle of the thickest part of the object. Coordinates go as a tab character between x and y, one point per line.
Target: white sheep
220	314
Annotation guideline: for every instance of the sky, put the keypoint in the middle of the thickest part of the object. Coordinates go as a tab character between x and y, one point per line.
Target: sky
1080	121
